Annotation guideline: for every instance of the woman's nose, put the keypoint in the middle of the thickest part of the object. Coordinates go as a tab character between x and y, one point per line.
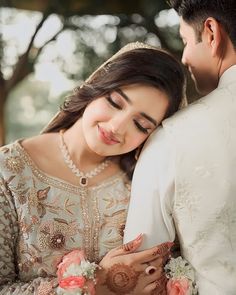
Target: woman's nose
119	124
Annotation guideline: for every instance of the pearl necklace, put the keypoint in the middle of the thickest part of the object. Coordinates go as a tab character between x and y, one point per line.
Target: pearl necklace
83	177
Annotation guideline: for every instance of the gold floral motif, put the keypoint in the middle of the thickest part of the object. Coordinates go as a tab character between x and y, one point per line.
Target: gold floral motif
115	219
57	241
54	235
22	199
32	197
14	164
4	149
45	288
42	194
25	227
34	219
112	202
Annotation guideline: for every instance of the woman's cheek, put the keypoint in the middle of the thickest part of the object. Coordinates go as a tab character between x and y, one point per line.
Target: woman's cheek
136	141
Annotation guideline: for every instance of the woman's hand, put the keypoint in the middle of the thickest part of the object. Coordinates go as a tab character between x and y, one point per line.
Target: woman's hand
125	272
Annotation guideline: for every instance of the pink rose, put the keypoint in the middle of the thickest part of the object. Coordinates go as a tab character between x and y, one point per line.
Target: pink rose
74	256
72	282
178	287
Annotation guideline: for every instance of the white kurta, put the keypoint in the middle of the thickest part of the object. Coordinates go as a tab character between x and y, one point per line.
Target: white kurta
185	182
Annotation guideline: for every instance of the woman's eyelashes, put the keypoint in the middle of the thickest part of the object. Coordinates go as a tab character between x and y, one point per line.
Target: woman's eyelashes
113	103
119	106
141	128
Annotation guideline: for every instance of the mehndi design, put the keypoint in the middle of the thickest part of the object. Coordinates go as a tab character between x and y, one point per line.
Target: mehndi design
121	279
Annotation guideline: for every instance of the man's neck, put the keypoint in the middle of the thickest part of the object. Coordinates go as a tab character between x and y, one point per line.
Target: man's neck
229	59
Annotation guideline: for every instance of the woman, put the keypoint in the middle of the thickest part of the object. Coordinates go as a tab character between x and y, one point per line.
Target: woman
69	186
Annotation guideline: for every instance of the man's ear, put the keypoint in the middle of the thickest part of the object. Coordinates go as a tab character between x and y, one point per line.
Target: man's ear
212	33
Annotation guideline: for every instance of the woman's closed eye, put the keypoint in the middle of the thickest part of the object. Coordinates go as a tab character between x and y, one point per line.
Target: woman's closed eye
141	128
114	103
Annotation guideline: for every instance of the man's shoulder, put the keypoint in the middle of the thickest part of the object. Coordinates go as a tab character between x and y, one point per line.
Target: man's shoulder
201	108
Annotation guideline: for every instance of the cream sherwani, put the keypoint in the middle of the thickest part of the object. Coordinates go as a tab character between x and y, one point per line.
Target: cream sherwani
185	183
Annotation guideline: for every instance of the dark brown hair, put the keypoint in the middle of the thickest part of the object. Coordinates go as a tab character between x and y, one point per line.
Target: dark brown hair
195	12
144	66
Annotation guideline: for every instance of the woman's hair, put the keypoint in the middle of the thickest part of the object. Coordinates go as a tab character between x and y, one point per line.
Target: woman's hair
147	66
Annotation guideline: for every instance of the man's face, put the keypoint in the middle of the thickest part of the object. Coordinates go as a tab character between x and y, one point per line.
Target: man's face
197	56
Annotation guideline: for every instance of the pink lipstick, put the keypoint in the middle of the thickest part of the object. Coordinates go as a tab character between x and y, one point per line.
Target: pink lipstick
107	137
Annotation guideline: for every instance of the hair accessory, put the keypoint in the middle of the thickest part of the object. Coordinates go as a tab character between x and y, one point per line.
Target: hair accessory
128	47
83	177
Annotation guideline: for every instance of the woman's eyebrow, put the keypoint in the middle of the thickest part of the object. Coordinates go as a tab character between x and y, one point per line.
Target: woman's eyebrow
154	122
118	90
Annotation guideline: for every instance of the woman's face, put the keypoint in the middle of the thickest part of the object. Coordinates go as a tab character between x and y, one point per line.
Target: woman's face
121	121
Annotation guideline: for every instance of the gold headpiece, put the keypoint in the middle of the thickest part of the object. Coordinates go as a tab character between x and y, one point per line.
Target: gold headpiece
128	47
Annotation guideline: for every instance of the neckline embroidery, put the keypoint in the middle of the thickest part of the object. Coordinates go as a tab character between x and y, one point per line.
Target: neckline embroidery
60	183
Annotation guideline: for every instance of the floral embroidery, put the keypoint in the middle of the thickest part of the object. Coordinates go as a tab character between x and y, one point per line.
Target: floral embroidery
186	201
22	199
46	288
227	266
48	221
226	219
14	164
53	235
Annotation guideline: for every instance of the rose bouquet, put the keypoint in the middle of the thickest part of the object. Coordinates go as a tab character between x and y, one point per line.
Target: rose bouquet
181	277
76	275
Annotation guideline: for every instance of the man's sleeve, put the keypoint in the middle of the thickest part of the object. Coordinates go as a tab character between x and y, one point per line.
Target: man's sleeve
152	193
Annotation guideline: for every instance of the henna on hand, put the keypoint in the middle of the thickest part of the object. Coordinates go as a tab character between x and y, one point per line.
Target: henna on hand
163	249
160	285
121	279
128	246
132	244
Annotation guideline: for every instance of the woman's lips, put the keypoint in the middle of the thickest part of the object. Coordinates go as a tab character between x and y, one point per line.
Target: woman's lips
107	137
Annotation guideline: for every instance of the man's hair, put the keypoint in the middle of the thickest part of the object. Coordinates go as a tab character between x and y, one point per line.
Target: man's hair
195	12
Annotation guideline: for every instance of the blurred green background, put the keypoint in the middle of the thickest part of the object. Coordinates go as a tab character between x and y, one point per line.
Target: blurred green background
49	47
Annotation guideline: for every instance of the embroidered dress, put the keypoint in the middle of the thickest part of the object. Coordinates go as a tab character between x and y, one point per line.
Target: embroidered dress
42	218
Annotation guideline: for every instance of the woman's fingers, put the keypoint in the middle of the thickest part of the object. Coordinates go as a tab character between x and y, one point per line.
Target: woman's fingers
157	287
157	263
161	250
154	276
128	247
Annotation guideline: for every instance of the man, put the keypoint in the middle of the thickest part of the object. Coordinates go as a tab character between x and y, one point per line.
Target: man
185	180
